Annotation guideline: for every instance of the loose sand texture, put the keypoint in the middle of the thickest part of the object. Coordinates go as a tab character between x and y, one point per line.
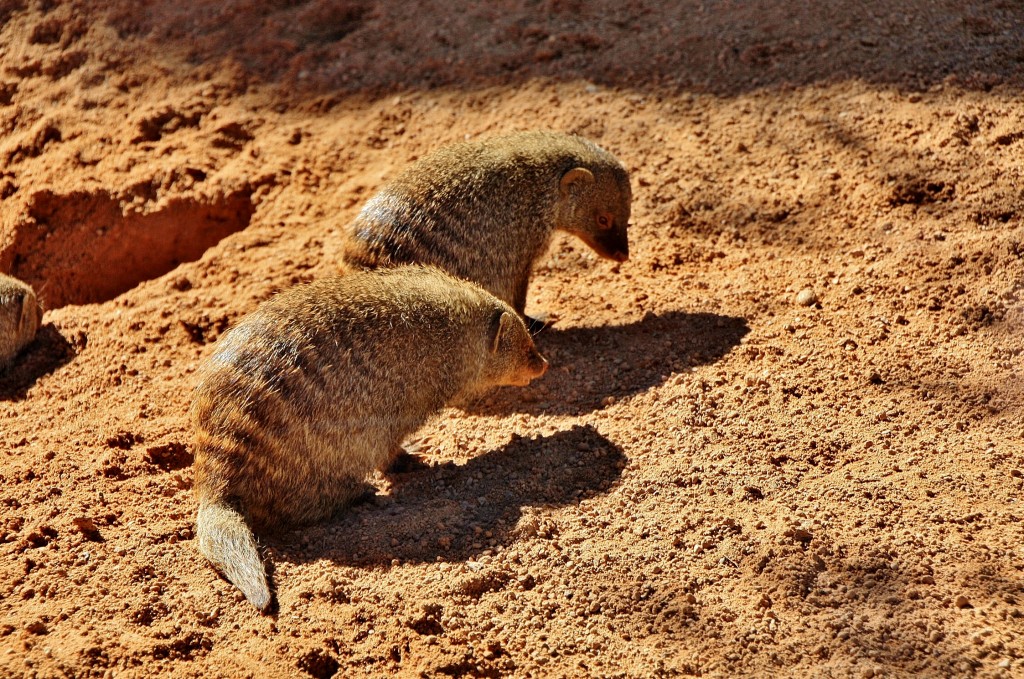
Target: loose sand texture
783	439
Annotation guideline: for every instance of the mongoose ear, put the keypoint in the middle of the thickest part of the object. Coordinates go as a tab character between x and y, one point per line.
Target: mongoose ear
575	179
502	327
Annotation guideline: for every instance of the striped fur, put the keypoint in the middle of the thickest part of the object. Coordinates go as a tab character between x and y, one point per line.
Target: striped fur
20	316
322	383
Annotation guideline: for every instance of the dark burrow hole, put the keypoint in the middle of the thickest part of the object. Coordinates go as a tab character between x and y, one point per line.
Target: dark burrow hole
80	248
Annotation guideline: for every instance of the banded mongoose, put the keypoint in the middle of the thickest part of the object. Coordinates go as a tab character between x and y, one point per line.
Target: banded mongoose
320	385
486	210
20	316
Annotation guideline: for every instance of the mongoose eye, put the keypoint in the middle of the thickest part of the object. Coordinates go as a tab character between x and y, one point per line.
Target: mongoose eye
604	222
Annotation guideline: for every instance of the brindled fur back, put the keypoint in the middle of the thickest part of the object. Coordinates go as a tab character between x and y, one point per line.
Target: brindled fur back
485	211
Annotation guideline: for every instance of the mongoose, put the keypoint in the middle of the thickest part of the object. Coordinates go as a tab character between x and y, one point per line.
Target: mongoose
320	385
486	210
20	316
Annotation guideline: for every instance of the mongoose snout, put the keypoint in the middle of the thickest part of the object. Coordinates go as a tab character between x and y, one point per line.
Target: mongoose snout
599	208
609	240
524	362
533	367
321	384
485	211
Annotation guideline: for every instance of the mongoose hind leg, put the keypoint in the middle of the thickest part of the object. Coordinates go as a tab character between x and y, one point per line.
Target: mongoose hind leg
367	495
324	499
404	462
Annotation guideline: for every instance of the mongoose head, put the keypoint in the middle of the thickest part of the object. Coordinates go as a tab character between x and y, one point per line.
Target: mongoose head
596	208
514	359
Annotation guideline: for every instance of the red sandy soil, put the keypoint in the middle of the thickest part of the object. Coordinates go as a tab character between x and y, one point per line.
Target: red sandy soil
712	480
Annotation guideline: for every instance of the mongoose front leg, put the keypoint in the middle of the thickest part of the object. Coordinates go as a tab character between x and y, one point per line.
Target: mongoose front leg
534	325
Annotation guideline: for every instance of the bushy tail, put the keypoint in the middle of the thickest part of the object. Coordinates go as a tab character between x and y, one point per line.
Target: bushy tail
227	541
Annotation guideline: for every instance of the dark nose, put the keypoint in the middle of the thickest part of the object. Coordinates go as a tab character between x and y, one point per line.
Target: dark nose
615	245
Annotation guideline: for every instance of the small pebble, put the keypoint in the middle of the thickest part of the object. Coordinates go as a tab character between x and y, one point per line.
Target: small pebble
87	527
806	297
962	602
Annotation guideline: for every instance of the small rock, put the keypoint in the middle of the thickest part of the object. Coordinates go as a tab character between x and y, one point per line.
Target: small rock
800	535
806	297
181	283
87	527
37	627
962	602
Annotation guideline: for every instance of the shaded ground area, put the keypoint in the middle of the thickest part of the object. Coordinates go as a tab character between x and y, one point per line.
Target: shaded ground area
783	439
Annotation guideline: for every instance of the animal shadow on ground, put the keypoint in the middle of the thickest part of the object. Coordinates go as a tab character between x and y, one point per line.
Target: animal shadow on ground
724	48
588	364
47	352
456	511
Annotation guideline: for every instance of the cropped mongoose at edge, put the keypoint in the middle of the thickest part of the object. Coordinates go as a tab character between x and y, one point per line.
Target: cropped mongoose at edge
486	210
20	316
321	384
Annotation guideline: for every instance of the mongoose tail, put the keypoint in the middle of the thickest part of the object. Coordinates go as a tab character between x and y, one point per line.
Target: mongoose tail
226	540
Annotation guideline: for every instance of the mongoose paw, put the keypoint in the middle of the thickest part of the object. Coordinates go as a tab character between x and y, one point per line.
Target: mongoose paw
535	325
405	462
